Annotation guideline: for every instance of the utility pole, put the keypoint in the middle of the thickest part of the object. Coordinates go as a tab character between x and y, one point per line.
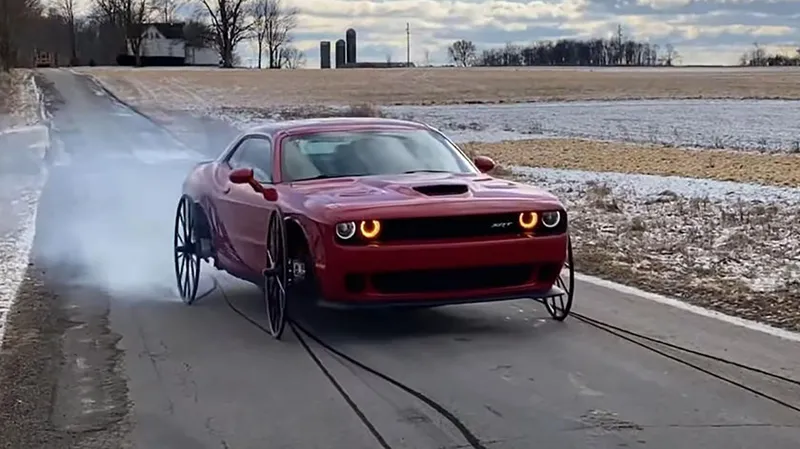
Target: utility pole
408	45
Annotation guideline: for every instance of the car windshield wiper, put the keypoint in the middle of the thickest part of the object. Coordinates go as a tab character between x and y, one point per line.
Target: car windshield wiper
426	171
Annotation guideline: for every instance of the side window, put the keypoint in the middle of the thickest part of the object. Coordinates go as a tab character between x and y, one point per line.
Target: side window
255	153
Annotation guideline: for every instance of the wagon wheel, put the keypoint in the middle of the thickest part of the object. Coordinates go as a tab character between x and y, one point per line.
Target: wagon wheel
559	306
187	259
276	274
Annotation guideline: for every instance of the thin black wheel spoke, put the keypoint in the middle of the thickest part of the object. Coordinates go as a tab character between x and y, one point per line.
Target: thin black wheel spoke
186	259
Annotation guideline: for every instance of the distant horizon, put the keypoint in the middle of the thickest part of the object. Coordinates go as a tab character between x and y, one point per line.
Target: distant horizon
704	32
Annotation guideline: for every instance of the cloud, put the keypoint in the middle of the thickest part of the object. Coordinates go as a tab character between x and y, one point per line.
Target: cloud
703	31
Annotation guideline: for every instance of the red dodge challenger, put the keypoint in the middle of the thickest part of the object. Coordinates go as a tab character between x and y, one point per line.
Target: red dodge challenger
360	212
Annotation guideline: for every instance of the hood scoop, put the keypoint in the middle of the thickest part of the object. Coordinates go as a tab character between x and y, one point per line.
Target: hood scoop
442	189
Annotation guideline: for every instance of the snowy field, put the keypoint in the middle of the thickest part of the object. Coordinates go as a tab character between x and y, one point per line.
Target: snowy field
730	124
23	141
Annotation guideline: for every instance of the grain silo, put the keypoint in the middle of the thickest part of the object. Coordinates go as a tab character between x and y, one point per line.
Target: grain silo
325	54
350	35
341	58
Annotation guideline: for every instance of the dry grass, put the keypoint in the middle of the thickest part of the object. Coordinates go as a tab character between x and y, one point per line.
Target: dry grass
18	105
734	257
445	85
576	154
7	92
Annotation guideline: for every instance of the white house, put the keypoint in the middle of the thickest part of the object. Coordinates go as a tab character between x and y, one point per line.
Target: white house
168	40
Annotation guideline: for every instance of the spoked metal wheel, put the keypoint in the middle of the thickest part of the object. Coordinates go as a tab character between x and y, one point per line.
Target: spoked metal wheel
187	259
276	274
559	306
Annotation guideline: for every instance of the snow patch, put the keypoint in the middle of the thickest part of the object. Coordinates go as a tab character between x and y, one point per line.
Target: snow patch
729	124
19	193
694	230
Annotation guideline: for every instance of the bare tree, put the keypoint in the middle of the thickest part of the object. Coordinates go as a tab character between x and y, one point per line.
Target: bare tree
15	19
230	25
388	58
426	59
164	10
128	17
274	24
462	52
670	55
259	31
66	8
292	57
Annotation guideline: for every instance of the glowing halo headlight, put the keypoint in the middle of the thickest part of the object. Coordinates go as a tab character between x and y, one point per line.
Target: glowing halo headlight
551	219
370	228
346	230
528	220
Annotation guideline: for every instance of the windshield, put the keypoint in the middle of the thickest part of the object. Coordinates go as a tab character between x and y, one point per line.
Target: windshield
363	153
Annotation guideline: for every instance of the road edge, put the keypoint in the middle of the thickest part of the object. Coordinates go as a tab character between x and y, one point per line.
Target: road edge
27	228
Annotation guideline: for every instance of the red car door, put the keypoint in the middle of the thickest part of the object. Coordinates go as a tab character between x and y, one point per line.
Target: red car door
243	213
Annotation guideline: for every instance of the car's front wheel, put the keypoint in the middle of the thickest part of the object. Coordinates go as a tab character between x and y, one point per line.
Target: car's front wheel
276	275
559	307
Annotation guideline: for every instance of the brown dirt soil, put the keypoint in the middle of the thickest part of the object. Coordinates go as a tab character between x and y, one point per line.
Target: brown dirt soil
253	88
577	154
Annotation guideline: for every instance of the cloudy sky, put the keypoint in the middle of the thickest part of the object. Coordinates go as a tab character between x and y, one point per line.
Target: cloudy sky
703	31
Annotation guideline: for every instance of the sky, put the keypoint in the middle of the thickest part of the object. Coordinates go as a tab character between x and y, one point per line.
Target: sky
702	31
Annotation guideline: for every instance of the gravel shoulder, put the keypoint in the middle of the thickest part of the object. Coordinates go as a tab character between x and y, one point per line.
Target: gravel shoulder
19	106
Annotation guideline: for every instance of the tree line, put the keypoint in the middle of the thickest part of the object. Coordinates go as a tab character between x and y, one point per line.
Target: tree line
615	51
115	27
758	57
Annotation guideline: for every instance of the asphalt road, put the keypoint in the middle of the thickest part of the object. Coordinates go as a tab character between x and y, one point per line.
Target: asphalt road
171	376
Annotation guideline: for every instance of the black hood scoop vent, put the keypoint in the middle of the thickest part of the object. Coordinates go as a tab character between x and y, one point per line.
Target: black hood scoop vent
442	189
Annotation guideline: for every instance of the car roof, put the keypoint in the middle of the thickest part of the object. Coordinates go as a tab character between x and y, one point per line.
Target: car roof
321	124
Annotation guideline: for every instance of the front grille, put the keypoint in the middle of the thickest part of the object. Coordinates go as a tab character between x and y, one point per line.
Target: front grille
457	279
464	226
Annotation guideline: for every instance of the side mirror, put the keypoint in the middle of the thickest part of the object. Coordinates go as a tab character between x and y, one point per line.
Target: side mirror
245	176
241	176
484	164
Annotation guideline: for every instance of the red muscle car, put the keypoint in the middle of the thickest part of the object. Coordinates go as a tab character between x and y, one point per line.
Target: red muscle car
369	212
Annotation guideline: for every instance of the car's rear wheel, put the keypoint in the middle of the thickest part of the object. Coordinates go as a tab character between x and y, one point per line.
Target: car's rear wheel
276	274
559	306
186	254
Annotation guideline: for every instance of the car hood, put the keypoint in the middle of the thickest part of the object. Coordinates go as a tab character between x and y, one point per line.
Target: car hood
419	194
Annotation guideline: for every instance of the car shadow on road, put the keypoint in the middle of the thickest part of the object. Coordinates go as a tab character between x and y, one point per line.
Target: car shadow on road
501	320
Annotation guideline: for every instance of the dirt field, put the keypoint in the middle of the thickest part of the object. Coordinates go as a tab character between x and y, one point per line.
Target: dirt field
767	169
446	85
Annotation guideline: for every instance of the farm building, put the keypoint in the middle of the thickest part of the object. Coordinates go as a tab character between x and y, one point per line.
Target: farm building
168	44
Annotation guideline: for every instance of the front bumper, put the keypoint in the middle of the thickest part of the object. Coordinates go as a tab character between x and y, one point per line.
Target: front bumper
441	273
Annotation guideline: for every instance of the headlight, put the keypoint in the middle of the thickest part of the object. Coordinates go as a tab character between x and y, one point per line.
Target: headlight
370	228
346	231
551	219
528	220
